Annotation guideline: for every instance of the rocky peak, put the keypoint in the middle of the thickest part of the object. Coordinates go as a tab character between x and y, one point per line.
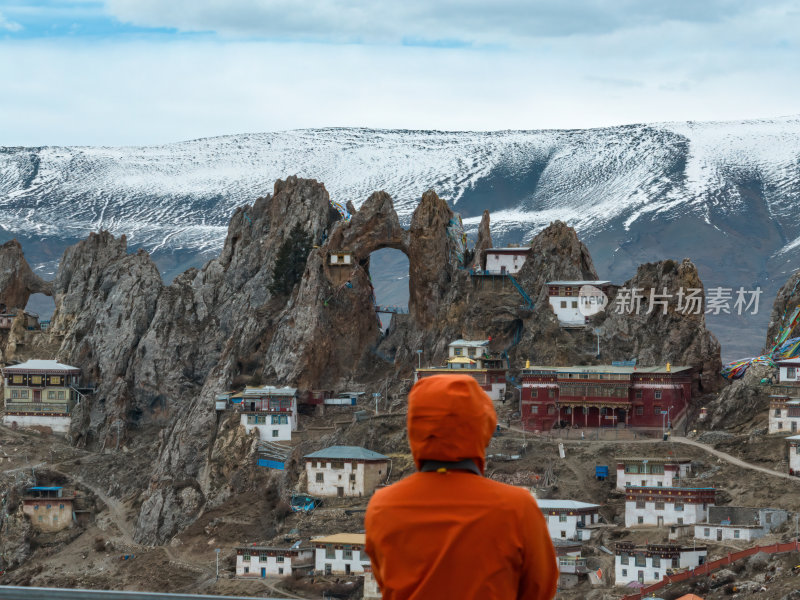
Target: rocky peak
483	243
787	300
17	280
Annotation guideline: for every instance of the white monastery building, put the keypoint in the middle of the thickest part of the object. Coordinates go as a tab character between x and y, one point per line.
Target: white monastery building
267	561
784	414
340	554
505	260
794	457
652	472
345	471
571	305
662	506
649	564
788	371
739	523
568	519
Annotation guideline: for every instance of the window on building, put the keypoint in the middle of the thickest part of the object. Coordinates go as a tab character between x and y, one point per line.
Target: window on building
457	351
14	393
36	380
624	572
640	559
585	410
348	553
51	395
275	433
640	520
320	477
246	558
23	393
780	424
659	506
262	558
352	476
280	570
676	562
563	534
330	552
657	394
777	412
563	304
640	504
791	372
551	393
736	533
551	409
55	380
17	379
638	394
562	518
656	576
706	532
656	562
680	520
534	410
247	570
534	393
337	464
623	558
657	409
574	304
279	558
679	507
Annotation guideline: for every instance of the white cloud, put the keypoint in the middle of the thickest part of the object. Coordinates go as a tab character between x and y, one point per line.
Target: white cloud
6	25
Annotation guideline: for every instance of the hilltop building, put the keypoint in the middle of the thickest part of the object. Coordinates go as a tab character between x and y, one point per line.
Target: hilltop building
794	457
571	565
340	554
568	519
662	506
652	472
50	508
649	564
784	414
40	393
739	523
571	306
472	357
505	260
270	410
345	471
263	561
788	371
604	395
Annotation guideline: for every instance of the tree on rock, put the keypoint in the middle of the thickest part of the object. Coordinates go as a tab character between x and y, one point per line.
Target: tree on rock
291	261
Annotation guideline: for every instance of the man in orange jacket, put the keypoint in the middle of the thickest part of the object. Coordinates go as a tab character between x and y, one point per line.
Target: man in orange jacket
446	531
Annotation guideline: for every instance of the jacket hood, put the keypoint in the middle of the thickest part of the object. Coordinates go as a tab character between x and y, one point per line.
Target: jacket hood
450	418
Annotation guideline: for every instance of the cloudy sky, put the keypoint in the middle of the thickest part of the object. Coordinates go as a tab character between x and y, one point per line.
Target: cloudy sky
154	71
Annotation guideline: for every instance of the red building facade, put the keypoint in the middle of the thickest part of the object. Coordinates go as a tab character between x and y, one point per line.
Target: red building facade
604	396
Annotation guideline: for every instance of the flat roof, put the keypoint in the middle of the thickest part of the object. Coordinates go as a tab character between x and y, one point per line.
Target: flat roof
347	452
41	365
470	343
520	249
275	548
341	538
573	283
657	459
265	390
793	437
568	504
461	360
670	489
791	361
607	369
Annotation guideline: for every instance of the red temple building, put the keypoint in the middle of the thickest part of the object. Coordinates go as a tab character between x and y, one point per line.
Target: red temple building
604	396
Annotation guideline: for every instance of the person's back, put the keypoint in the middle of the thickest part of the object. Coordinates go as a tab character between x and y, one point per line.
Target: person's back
448	532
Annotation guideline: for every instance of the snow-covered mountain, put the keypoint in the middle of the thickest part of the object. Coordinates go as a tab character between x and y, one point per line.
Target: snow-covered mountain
725	194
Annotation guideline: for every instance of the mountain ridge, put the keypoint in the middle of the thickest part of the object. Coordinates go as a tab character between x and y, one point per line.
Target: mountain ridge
726	194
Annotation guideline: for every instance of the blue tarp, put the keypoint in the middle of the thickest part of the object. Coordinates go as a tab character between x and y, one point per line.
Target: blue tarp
270	464
45	489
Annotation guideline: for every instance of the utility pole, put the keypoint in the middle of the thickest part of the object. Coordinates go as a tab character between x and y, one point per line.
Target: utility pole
419	359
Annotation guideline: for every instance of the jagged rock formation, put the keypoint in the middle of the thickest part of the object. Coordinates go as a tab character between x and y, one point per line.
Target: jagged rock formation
17	280
786	301
483	243
160	353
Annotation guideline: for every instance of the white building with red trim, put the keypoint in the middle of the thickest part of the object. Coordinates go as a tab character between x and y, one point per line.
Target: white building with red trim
505	260
661	506
340	554
574	301
784	414
652	472
568	519
652	562
269	561
473	358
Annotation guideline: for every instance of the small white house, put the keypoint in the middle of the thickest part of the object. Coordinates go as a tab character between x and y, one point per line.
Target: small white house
788	370
574	301
739	523
340	554
649	564
662	506
270	410
505	260
784	414
341	258
265	561
345	471
568	519
794	456
652	472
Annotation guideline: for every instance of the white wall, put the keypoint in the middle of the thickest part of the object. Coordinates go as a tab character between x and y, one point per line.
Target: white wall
794	459
709	532
691	513
569	528
568	314
265	432
339	563
665	479
57	424
271	566
784	374
624	574
783	422
512	262
367	476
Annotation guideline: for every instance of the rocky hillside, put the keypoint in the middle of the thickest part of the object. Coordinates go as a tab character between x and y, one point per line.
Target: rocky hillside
271	308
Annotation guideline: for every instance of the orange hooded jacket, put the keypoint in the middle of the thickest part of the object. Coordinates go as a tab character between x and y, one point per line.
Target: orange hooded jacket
455	534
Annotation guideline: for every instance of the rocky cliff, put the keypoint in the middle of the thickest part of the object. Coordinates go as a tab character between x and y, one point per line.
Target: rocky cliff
160	353
17	280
